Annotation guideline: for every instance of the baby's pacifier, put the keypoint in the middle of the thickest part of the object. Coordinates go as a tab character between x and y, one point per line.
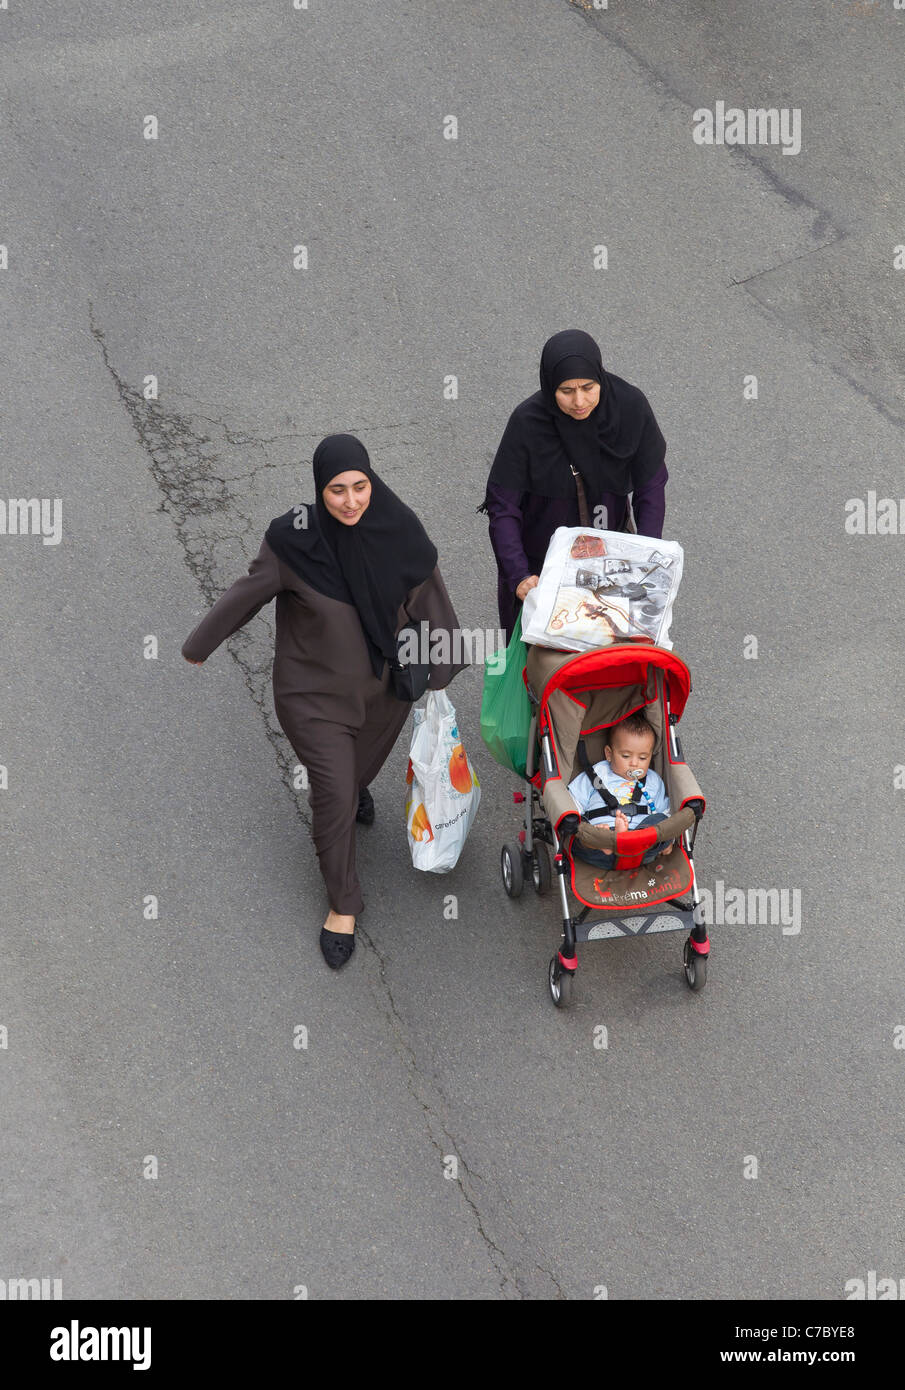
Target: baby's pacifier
634	774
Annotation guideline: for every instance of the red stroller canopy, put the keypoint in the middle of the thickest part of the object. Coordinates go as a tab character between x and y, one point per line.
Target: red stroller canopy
623	663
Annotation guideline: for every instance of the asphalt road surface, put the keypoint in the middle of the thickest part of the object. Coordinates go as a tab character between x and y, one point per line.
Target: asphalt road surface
137	1044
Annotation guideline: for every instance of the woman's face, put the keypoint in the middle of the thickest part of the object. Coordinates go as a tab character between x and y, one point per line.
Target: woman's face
577	397
347	496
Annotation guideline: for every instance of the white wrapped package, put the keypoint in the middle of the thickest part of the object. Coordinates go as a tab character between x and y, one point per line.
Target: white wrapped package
599	587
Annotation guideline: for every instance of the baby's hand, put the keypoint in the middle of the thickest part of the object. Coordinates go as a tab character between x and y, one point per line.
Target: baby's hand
668	849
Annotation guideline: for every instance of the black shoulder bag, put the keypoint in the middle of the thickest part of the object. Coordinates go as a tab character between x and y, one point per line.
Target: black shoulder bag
408	679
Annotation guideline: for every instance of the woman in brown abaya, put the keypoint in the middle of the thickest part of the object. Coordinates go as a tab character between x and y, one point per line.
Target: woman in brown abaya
348	573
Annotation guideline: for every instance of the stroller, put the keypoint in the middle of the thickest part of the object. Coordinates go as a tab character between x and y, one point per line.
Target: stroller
576	697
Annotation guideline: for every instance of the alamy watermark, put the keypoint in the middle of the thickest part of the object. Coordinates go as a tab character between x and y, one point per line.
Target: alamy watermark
754	907
442	646
871	1289
874	516
32	516
78	1343
23	1290
755	125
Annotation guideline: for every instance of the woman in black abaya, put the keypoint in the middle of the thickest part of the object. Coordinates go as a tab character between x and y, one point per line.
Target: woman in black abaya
348	573
583	450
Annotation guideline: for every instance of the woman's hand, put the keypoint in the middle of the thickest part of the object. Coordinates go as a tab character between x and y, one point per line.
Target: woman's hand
525	585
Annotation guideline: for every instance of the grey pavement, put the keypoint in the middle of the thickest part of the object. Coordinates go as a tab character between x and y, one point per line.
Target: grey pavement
130	1037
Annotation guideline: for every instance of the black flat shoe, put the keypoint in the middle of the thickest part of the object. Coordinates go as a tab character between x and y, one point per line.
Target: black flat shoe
365	813
337	947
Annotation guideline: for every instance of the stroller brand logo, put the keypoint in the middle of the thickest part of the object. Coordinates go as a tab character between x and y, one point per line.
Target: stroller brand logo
759	907
32	516
760	125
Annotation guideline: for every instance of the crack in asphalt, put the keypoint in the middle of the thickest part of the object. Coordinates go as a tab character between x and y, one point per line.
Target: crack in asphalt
824	226
781	265
787	191
181	461
512	1278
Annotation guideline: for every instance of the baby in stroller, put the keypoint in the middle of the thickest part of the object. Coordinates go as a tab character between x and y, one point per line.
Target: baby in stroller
583	704
621	786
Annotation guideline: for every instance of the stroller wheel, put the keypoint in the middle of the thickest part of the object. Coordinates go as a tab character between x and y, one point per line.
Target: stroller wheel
541	872
560	982
511	869
695	967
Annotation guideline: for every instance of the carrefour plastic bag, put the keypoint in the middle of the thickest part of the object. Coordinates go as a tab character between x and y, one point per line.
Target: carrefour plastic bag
598	587
505	707
442	791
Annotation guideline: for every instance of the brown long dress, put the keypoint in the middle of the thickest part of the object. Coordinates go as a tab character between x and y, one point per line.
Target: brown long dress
341	719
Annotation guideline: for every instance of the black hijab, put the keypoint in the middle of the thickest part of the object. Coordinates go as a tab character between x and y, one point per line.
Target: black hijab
617	449
374	564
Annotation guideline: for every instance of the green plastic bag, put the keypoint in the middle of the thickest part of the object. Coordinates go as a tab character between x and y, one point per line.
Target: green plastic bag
505	707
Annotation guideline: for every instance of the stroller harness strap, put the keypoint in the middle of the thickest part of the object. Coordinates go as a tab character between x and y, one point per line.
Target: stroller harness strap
610	805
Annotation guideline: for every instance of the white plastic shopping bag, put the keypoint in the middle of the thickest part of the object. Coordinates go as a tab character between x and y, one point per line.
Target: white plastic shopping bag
442	791
598	587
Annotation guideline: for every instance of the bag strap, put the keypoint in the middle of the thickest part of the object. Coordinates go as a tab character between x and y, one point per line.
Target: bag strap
584	516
